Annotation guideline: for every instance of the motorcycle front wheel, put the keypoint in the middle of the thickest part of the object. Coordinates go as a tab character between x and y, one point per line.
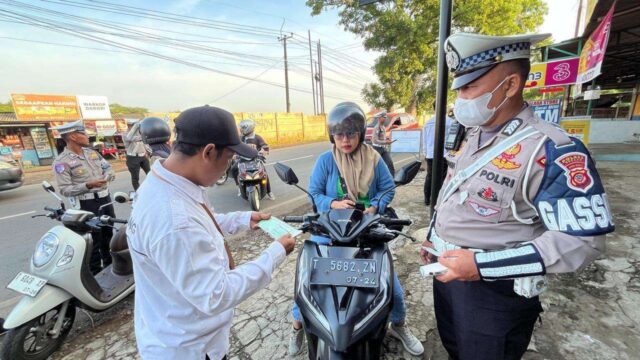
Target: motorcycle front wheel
254	198
33	341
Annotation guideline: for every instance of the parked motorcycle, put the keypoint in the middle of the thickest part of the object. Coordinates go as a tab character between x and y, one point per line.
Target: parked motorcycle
345	289
59	280
253	180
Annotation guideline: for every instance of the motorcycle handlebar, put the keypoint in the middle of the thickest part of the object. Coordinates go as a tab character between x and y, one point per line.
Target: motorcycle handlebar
50	209
293	219
392	222
118	221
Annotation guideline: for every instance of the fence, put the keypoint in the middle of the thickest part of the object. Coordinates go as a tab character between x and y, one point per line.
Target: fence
283	129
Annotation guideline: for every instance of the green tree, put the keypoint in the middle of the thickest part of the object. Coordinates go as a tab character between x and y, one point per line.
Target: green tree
406	33
117	109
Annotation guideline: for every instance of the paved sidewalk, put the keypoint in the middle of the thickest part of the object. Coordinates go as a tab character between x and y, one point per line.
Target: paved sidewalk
592	315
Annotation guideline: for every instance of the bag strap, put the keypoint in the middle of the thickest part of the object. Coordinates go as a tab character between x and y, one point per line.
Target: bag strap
494	152
232	263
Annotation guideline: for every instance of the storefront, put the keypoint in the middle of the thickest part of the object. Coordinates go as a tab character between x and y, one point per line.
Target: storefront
28	142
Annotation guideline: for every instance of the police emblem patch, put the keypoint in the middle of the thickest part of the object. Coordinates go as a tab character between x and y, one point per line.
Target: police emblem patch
94	155
58	168
484	211
505	160
488	194
453	59
576	170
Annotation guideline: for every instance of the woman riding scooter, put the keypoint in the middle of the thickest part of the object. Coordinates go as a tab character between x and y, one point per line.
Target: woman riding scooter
249	137
352	174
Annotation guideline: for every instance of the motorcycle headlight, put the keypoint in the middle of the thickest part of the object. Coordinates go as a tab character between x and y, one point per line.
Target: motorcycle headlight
45	249
67	256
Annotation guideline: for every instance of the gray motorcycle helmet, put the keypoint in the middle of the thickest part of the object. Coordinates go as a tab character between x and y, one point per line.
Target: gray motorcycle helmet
247	127
154	130
346	117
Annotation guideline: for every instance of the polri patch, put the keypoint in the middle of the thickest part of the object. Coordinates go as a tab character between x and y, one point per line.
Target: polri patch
484	211
511	127
506	159
576	170
497	178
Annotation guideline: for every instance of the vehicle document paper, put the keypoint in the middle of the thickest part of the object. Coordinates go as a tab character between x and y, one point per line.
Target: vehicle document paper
277	228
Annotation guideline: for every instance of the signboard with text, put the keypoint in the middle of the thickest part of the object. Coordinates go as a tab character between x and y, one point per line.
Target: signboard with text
406	141
30	107
94	107
553	73
548	110
592	54
577	127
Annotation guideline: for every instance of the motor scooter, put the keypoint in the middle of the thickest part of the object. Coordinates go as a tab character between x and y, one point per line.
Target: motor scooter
59	280
345	289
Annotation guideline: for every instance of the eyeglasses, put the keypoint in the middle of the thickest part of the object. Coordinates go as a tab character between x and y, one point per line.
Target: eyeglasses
349	135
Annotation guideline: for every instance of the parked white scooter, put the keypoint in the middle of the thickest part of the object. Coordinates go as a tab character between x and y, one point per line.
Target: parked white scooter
59	280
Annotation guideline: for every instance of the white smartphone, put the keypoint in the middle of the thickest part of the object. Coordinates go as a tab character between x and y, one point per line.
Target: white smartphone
434	269
432	251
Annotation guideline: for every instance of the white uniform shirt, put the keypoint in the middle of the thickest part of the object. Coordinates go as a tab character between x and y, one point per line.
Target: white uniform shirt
185	292
429	135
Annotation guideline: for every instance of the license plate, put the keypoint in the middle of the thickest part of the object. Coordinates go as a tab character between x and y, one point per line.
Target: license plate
344	272
27	284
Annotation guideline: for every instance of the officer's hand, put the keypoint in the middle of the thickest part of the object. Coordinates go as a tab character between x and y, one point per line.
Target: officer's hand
256	217
288	242
96	184
461	264
344	204
426	257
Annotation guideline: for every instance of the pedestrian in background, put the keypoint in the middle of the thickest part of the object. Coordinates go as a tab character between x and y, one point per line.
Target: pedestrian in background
428	141
136	153
83	176
381	143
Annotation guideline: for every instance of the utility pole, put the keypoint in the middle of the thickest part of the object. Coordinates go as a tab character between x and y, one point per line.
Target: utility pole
578	18
316	85
313	83
321	78
286	68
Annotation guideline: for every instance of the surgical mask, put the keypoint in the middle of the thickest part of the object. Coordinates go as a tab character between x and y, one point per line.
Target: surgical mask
475	112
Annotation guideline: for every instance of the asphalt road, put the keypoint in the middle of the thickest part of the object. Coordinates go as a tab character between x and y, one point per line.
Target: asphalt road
19	232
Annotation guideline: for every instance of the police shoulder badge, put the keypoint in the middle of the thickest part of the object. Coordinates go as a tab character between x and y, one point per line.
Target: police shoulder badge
506	159
511	127
59	168
576	170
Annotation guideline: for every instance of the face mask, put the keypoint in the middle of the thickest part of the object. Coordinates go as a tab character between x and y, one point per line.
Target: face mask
475	112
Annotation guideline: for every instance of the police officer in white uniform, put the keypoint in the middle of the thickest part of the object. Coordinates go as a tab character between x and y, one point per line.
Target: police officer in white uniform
83	176
521	200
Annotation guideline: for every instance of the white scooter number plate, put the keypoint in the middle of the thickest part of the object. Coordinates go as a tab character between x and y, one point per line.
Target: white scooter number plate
27	284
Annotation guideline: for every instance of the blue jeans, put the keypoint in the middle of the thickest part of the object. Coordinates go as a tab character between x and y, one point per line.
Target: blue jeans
399	309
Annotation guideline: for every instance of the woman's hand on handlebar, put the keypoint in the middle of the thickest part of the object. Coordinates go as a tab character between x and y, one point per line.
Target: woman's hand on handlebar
344	204
371	210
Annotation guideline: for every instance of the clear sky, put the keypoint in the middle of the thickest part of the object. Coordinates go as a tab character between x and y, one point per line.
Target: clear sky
234	37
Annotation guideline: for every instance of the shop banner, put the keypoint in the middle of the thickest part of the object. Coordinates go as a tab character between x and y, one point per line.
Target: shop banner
548	110
30	107
592	54
106	127
41	143
94	107
577	128
553	73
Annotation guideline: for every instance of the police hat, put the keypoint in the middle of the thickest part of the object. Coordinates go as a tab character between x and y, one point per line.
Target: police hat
469	56
211	125
71	127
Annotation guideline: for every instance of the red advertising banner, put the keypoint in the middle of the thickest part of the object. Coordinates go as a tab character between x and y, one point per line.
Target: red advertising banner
592	54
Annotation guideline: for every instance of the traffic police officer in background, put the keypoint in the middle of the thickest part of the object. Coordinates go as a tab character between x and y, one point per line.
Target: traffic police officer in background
82	175
521	200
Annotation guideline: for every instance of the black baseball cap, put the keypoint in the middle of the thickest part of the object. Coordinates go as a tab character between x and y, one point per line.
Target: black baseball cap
211	125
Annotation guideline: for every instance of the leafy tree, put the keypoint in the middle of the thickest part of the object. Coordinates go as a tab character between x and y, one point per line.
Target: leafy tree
117	109
6	107
406	32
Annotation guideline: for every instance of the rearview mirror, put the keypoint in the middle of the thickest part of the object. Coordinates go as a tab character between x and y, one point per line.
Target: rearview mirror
121	197
407	173
48	187
286	174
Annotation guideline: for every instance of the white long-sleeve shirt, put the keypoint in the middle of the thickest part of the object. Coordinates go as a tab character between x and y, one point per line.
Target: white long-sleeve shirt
185	292
429	135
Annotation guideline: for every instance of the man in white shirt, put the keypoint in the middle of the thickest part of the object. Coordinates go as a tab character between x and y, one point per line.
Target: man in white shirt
428	142
186	282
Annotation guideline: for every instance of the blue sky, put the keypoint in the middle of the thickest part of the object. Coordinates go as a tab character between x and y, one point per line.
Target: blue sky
69	67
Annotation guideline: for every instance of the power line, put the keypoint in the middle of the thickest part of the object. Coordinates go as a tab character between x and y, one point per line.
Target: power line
245	84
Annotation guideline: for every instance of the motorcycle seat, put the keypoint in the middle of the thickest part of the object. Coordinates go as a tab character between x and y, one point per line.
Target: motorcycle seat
120	256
